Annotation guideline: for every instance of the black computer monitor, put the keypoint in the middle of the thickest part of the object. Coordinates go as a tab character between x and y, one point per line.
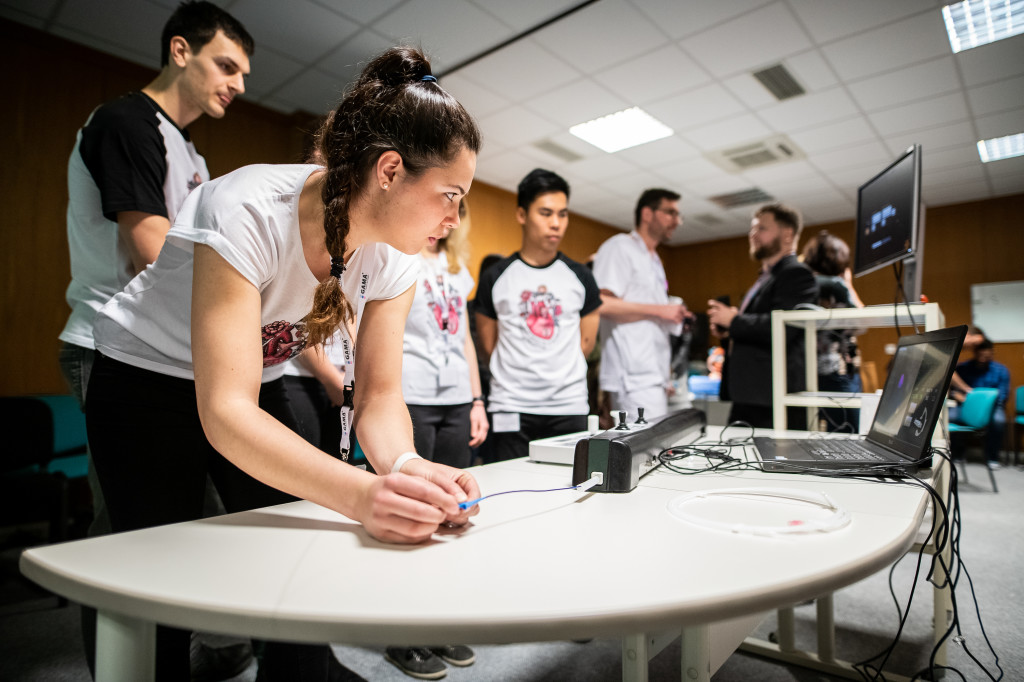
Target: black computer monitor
888	214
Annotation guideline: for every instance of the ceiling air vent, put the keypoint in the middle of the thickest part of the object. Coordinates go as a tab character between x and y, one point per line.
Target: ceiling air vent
780	82
557	150
775	149
745	197
708	219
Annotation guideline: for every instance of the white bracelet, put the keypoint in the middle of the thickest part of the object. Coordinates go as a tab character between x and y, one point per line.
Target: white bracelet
402	459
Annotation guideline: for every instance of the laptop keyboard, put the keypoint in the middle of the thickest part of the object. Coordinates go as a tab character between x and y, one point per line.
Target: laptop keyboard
839	449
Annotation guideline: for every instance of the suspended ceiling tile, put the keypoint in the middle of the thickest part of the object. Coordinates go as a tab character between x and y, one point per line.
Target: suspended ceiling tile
715	48
828	20
1003	123
835	135
659	152
810	110
727	133
525	14
936	111
893	46
270	71
350	58
132	28
313	91
363	13
300	29
928	79
601	35
992	62
477	100
935	138
654	75
520	71
577	102
680	18
515	126
430	25
696	107
996	97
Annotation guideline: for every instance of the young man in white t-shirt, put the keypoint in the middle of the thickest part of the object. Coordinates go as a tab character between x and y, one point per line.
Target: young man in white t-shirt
636	315
537	318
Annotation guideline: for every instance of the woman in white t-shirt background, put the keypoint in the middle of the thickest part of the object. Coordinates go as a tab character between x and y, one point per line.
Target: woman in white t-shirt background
260	264
441	385
440	375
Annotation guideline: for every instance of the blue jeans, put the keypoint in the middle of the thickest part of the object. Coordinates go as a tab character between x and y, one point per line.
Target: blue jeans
76	365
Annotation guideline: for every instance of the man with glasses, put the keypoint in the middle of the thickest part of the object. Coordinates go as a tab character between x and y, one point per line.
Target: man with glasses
636	315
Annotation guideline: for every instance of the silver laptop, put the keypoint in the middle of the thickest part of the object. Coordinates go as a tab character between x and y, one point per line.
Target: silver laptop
901	432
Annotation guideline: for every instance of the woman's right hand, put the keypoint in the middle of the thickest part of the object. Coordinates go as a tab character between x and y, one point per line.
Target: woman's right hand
405	509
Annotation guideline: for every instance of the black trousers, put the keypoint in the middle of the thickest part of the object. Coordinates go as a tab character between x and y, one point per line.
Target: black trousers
318	420
513	444
152	459
441	433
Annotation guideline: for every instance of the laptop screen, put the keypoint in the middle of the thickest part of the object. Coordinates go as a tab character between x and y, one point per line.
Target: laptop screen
913	396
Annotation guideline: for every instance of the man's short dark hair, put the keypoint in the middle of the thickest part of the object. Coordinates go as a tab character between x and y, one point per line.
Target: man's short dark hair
198	23
652	198
786	216
537	182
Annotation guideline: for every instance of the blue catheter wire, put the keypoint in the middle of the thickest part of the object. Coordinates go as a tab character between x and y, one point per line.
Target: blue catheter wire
470	503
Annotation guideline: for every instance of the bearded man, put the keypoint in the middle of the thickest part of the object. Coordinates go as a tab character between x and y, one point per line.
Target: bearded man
784	283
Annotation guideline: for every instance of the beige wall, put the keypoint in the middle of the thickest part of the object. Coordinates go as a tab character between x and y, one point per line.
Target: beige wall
57	83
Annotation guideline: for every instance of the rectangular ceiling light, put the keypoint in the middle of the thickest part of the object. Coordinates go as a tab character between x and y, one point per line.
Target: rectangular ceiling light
977	22
621	130
1001	147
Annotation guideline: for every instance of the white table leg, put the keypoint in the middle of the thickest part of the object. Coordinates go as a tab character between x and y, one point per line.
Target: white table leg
826	628
786	631
635	654
125	648
697	654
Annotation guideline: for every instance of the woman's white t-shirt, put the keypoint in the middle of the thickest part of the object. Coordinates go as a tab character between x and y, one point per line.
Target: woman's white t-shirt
434	367
250	218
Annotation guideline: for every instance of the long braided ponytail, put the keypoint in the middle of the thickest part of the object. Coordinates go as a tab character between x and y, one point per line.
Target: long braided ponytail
395	105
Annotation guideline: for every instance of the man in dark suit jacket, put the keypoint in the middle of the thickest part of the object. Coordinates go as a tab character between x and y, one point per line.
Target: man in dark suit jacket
784	284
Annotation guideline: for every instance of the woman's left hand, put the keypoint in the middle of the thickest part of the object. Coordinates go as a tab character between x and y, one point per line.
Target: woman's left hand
477	424
456	482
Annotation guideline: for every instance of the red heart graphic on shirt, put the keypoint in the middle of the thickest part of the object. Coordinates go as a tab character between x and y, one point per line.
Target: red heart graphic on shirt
540	321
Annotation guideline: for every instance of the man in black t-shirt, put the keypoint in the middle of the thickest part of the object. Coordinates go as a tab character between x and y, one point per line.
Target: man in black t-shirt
537	318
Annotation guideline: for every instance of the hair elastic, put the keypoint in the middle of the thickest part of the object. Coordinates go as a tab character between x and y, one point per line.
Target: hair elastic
428	79
337	267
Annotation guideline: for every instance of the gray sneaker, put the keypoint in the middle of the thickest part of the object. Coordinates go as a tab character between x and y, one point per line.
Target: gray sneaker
455	654
416	662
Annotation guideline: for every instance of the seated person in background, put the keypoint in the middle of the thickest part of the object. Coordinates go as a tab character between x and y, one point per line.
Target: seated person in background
784	284
983	371
828	257
537	316
716	358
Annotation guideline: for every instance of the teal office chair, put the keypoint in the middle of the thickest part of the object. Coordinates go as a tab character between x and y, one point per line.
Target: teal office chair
1018	422
44	449
975	415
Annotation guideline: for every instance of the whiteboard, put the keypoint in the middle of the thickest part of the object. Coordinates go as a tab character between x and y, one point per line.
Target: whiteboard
998	308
